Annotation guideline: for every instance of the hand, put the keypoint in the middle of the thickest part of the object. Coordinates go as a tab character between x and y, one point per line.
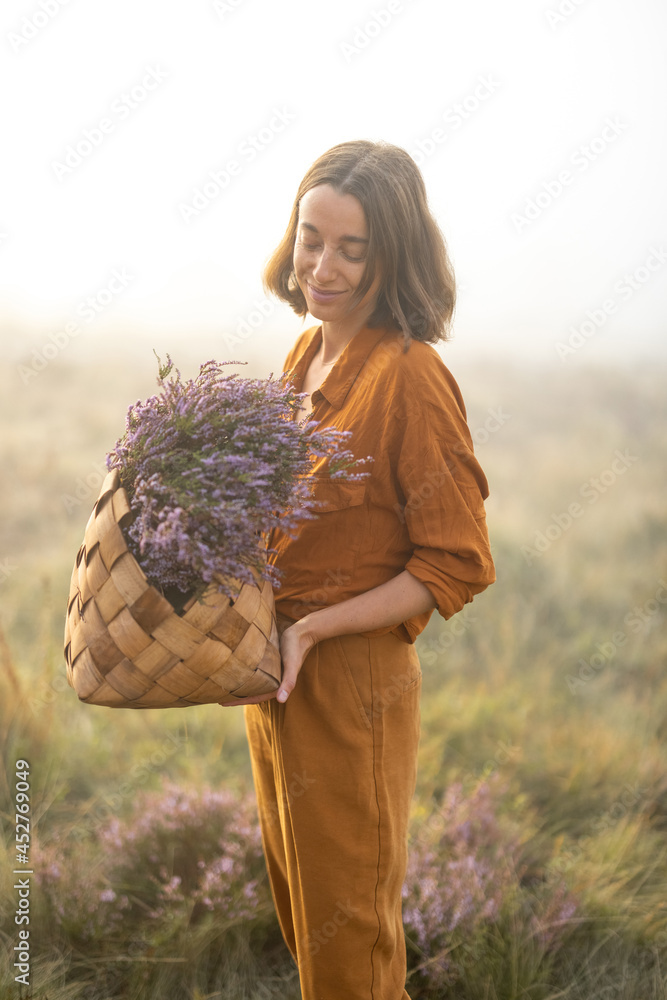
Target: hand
295	644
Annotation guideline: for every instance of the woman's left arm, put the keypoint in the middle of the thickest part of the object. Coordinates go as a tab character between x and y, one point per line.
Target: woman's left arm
389	604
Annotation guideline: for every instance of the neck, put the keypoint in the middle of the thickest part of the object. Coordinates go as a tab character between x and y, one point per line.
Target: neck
335	338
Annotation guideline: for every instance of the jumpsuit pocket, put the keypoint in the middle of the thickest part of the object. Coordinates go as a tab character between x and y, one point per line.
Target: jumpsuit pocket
363	651
379	671
321	562
336	494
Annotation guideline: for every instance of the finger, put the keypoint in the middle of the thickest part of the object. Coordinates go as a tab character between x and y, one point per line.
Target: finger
290	674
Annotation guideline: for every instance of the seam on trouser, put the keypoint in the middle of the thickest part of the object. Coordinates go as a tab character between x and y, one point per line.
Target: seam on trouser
288	816
379	846
281	788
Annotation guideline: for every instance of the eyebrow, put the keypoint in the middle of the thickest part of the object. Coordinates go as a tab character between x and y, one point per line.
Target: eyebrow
343	239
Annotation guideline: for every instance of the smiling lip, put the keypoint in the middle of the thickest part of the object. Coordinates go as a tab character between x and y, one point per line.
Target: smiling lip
321	296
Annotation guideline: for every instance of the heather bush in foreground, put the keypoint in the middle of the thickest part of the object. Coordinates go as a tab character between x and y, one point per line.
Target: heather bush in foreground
463	882
188	862
184	853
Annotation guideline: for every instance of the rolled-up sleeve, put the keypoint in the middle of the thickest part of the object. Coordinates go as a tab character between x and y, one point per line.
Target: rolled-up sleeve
444	490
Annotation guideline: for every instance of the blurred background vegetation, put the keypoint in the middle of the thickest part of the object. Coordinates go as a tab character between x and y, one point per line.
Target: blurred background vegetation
543	762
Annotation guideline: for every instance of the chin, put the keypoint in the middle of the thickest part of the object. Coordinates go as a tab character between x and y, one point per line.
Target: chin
322	311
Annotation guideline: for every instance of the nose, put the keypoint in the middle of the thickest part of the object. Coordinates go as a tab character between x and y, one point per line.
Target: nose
324	266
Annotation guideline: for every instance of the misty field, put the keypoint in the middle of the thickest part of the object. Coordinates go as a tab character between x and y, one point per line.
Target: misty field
538	849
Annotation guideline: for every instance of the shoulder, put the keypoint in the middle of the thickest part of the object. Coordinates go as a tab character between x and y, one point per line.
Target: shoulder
417	374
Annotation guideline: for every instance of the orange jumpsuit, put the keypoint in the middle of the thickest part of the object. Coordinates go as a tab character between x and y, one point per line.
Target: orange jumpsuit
335	766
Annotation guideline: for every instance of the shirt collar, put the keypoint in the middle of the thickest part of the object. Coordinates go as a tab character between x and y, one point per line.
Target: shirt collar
342	376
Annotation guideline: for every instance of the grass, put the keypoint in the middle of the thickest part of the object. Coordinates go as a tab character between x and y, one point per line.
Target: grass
551	683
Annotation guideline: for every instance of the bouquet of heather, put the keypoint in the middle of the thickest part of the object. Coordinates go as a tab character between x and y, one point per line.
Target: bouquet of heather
171	601
209	465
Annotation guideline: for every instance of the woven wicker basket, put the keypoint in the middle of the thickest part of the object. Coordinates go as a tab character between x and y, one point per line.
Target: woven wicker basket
127	647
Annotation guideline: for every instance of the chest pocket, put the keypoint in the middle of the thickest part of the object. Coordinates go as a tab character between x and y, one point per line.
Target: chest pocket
330	545
334	494
319	565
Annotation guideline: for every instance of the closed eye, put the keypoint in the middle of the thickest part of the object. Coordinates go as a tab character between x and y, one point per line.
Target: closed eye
348	256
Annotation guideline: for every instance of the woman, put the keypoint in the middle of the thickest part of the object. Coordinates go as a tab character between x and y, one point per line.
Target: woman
334	751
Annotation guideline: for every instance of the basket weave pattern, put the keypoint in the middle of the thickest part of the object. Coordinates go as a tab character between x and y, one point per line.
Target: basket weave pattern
127	647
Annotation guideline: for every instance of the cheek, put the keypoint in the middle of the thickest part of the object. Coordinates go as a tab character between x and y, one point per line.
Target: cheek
373	291
298	259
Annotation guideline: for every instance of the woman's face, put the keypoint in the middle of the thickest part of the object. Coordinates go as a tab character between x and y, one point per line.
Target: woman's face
330	256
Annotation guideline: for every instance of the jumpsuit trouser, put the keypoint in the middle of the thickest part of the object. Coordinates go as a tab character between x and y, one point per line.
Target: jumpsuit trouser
335	771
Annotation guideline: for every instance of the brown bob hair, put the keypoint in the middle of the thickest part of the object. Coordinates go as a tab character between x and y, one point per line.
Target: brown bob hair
417	292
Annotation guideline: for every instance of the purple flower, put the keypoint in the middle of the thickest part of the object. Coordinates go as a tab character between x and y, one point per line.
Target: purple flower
211	465
464	871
